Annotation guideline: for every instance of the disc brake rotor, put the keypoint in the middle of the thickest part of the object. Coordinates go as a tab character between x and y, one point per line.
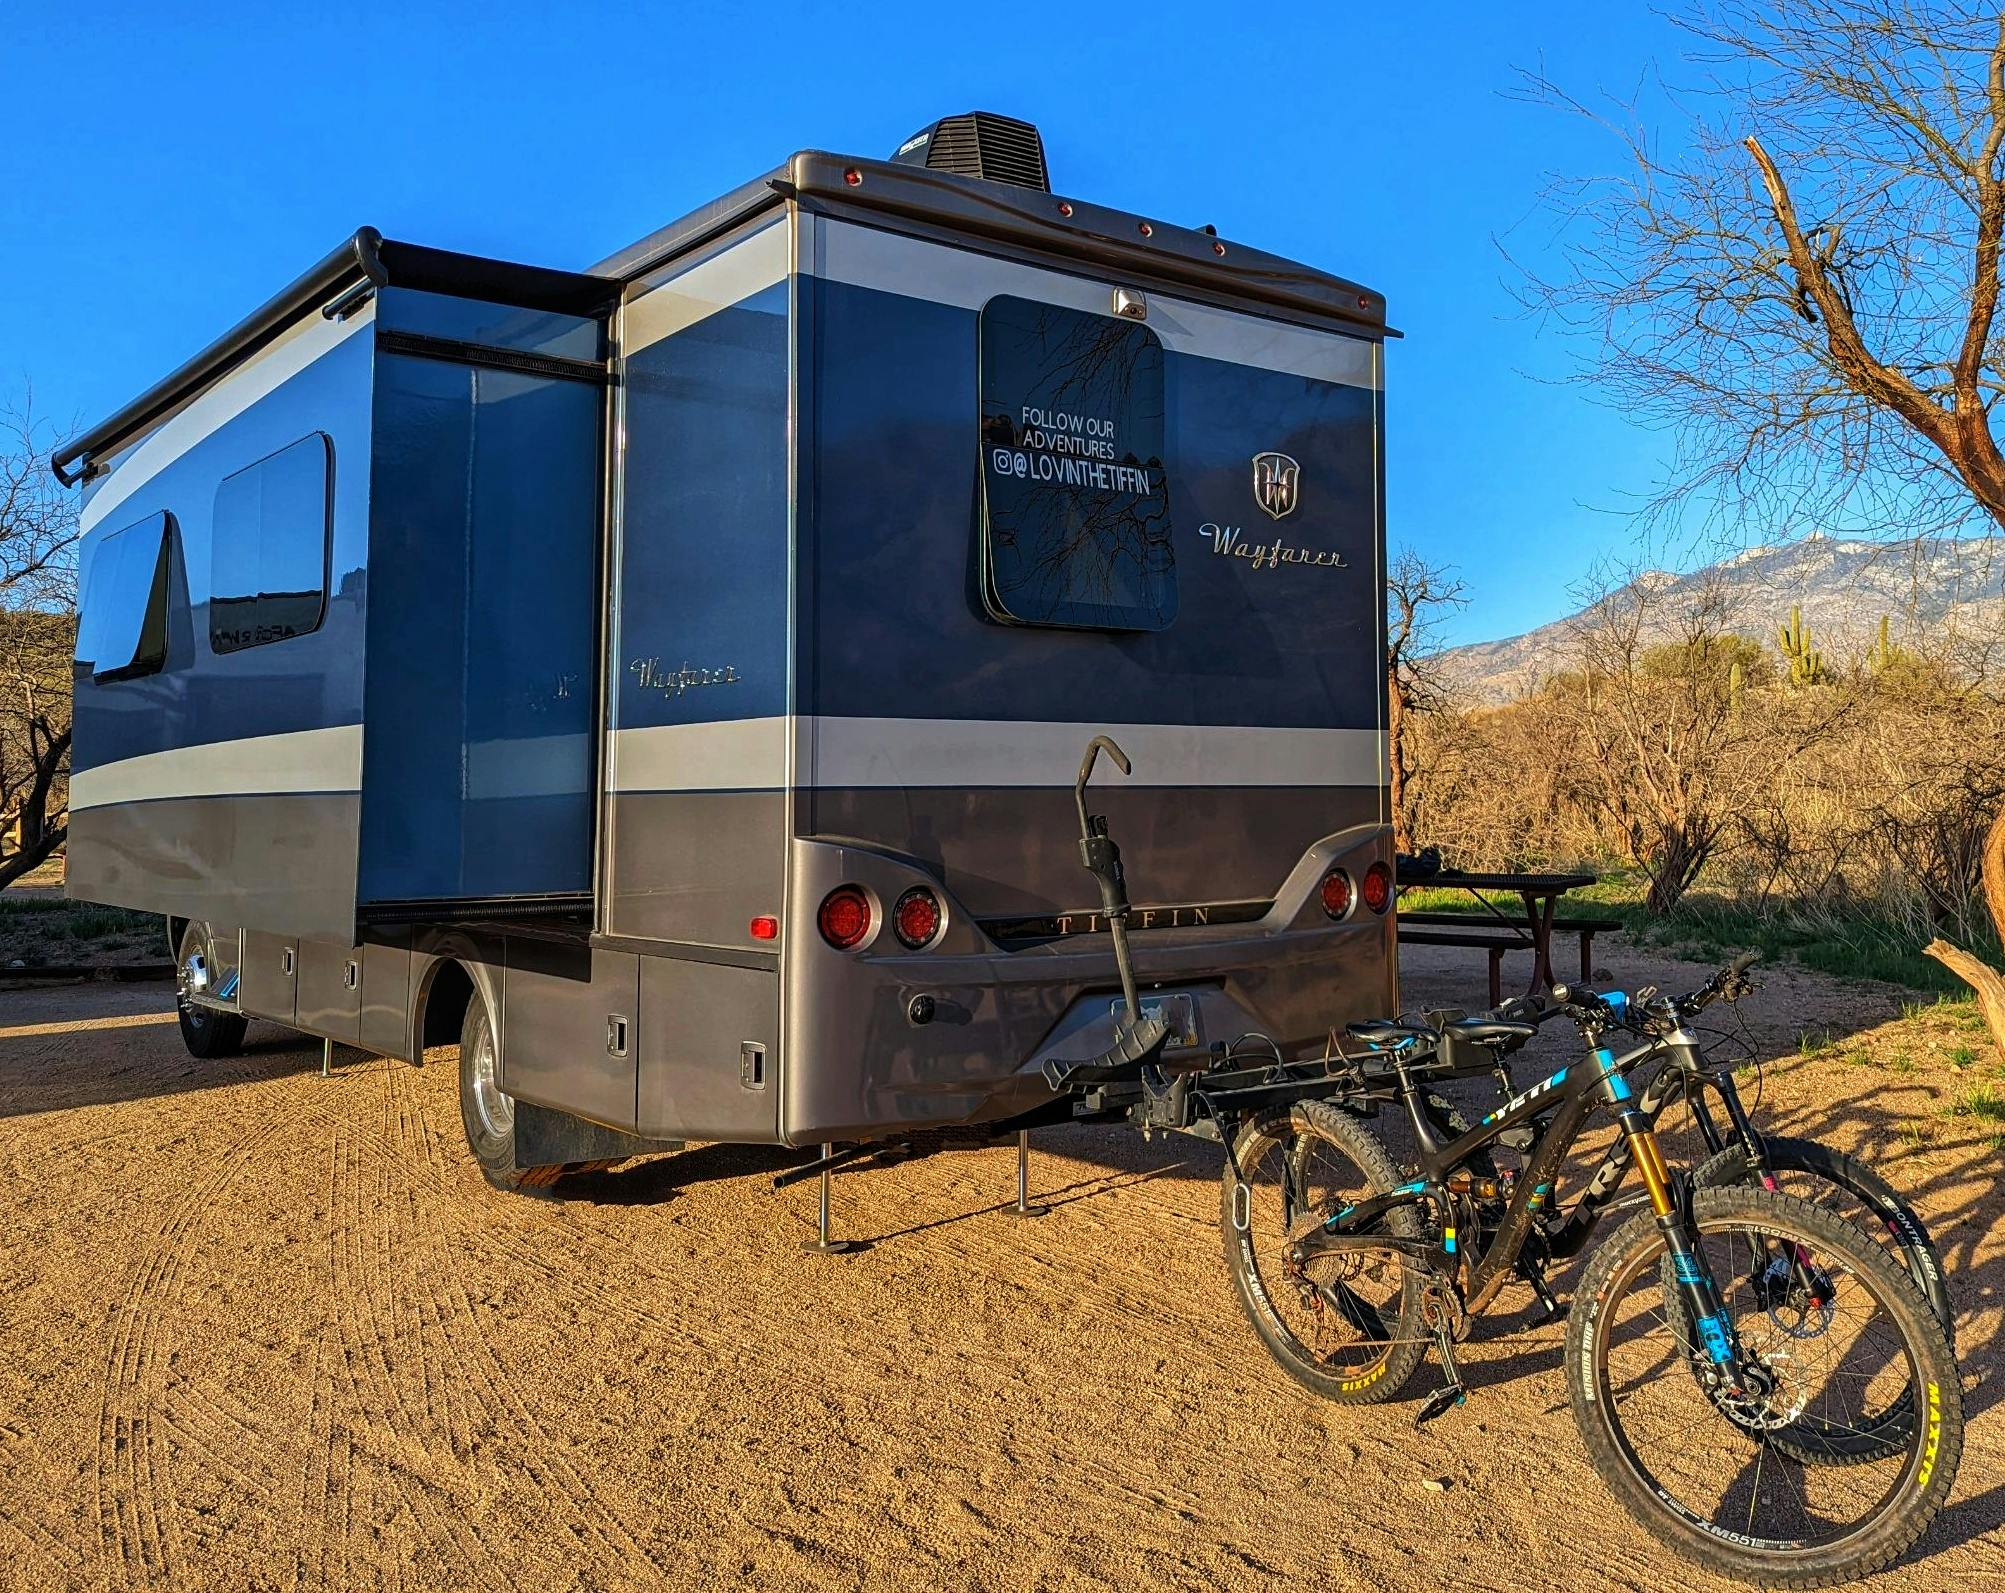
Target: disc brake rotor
1773	1397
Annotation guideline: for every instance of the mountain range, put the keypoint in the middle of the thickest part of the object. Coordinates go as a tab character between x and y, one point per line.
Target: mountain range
1929	590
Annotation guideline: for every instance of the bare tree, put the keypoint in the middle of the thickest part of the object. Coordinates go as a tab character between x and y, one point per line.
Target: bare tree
1802	283
1804	288
1417	597
38	533
1652	716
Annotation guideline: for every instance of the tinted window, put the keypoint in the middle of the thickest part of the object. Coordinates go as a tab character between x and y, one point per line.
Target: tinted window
122	618
1075	500
268	558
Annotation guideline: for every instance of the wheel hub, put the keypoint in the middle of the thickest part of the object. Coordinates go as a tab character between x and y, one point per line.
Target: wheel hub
496	1109
1770	1395
1799	1302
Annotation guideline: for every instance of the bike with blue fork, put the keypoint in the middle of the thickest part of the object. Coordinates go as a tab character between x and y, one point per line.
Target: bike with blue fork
1761	1382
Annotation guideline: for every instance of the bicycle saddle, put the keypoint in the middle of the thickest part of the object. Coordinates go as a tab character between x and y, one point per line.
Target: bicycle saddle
1384	1031
1489	1031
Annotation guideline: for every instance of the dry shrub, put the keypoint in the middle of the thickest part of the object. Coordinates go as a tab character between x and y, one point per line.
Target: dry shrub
1641	744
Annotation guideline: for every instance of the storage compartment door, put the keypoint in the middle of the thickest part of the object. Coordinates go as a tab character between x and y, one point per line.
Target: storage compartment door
570	1029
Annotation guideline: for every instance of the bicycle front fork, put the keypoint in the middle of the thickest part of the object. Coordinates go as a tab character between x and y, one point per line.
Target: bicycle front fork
1700	1296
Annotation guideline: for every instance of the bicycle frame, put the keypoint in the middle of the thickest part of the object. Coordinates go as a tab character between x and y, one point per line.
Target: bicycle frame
1569	1095
1688	1077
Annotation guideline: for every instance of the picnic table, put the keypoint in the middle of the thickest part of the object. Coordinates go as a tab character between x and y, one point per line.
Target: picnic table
1538	896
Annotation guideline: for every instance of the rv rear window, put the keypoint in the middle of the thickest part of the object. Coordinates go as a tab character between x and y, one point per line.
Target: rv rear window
268	554
1075	500
122	618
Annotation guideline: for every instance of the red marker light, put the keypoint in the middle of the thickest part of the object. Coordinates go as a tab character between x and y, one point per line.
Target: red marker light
1377	890
1065	207
853	177
1336	893
916	918
765	927
1147	230
844	918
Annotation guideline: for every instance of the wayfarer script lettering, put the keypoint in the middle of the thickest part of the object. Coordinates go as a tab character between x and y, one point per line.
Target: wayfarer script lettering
1229	542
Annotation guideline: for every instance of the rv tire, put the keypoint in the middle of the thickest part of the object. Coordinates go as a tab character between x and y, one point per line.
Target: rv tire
208	1032
487	1112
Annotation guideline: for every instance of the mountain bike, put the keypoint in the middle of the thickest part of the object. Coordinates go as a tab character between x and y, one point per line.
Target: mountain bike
1758	1381
1736	1152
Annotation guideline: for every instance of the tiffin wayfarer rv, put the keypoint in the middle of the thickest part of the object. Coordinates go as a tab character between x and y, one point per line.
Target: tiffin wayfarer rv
667	681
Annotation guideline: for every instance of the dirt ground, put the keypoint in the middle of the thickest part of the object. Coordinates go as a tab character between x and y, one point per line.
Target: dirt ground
258	1331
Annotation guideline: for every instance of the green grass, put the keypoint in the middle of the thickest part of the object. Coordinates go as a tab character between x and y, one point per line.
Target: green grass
53	929
1981	1101
1710	927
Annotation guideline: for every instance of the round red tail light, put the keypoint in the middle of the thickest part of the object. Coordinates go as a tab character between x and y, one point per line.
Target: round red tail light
1377	890
1336	893
916	918
844	917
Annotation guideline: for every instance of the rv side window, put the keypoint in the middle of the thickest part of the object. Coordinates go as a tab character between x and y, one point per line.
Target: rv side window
268	554
122	619
1075	500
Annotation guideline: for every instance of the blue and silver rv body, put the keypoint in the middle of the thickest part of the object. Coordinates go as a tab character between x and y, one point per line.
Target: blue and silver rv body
681	666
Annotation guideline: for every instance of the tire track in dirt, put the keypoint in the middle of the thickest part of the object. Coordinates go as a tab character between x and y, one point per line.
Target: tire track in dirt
326	1472
362	1270
446	1397
437	1252
139	1538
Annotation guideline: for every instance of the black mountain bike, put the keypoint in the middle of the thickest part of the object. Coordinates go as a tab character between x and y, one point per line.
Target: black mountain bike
1761	1383
1736	1153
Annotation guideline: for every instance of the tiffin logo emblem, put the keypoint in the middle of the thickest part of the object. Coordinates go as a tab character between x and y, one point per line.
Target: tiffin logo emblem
1277	483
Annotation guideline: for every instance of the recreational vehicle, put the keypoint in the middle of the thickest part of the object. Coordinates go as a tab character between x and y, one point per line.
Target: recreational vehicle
666	681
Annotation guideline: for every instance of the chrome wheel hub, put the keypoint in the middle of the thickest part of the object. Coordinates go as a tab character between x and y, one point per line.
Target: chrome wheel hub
497	1111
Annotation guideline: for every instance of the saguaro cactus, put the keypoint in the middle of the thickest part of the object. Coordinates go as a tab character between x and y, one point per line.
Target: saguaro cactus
1806	663
1881	653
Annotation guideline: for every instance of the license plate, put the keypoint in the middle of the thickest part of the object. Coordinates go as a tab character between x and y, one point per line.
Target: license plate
1179	1012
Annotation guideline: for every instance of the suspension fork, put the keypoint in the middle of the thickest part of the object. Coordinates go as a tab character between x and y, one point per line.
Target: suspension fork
1695	1282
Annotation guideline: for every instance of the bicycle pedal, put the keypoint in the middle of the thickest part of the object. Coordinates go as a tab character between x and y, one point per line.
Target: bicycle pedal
1442	1399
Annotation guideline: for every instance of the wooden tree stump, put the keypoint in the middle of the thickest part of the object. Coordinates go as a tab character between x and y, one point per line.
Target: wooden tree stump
1985	980
1981	977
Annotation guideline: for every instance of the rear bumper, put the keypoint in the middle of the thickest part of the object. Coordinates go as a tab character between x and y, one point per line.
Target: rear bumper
856	1064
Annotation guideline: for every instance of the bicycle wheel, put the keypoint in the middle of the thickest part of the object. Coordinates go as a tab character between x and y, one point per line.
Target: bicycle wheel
1862	1198
1697	1463
1855	1192
1345	1326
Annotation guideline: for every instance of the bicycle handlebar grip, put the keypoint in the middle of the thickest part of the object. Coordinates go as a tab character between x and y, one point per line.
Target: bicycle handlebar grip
1743	962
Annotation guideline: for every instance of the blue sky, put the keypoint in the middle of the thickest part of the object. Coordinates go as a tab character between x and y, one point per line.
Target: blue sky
166	174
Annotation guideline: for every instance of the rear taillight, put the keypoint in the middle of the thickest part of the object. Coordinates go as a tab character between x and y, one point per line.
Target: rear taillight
844	917
1377	890
1336	893
916	918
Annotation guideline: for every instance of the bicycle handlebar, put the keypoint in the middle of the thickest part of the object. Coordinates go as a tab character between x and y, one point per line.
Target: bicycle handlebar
1614	1009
